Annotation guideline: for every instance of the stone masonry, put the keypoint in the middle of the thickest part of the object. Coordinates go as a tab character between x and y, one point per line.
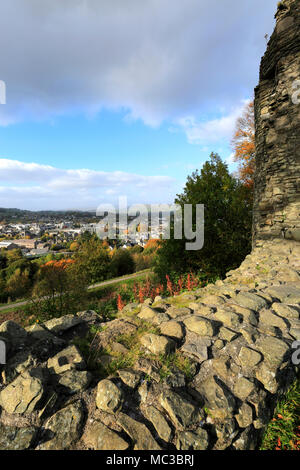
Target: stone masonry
277	114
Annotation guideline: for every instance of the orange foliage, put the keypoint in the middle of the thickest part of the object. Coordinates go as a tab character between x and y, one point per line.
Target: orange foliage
243	144
62	264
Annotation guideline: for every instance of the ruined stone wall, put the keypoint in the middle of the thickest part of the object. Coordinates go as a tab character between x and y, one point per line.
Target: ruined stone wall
277	111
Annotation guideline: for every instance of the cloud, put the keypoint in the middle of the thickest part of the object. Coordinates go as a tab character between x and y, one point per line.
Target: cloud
211	131
154	60
38	186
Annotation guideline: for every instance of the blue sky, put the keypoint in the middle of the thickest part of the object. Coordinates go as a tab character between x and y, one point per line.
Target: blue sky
105	100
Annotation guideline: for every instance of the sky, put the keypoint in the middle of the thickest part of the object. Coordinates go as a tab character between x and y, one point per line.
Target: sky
121	98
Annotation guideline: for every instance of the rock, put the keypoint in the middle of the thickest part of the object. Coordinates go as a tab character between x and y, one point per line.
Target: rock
199	325
196	346
249	358
285	311
229	319
109	397
17	365
23	395
159	422
213	300
173	329
139	433
247	440
245	416
267	377
243	388
157	344
147	313
74	381
130	308
226	431
249	300
88	316
273	349
13	438
288	294
175	312
192	440
60	325
67	359
227	334
217	398
119	348
38	332
181	412
63	428
269	318
201	309
100	437
143	391
14	335
130	377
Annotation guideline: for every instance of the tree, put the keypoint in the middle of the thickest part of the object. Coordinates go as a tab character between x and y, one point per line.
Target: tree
122	263
227	227
59	290
92	259
243	144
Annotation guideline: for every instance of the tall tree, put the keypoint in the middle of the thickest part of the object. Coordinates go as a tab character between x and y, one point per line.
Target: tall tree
227	223
243	143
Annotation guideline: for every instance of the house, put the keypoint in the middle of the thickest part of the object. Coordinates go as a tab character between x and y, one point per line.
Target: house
7	245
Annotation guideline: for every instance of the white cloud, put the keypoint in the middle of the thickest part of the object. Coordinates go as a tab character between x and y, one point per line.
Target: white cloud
211	131
154	59
31	185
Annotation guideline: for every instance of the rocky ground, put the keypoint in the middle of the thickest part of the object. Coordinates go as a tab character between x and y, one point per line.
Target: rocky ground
202	370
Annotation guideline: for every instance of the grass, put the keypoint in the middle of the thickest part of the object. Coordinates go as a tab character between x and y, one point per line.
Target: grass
283	432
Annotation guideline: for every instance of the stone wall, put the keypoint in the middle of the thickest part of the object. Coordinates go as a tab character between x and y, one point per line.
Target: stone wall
277	182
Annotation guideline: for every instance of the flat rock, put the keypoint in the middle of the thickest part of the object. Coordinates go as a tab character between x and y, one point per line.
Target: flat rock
100	437
157	344
249	300
274	350
74	381
285	311
130	377
181	412
248	357
67	359
173	329
23	394
159	422
201	326
196	346
192	440
139	433
288	294
59	325
13	438
63	428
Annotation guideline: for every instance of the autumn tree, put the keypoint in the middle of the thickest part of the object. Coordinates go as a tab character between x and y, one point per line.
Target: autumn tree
243	144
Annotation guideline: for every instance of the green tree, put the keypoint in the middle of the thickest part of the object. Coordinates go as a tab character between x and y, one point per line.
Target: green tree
122	263
227	223
92	260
